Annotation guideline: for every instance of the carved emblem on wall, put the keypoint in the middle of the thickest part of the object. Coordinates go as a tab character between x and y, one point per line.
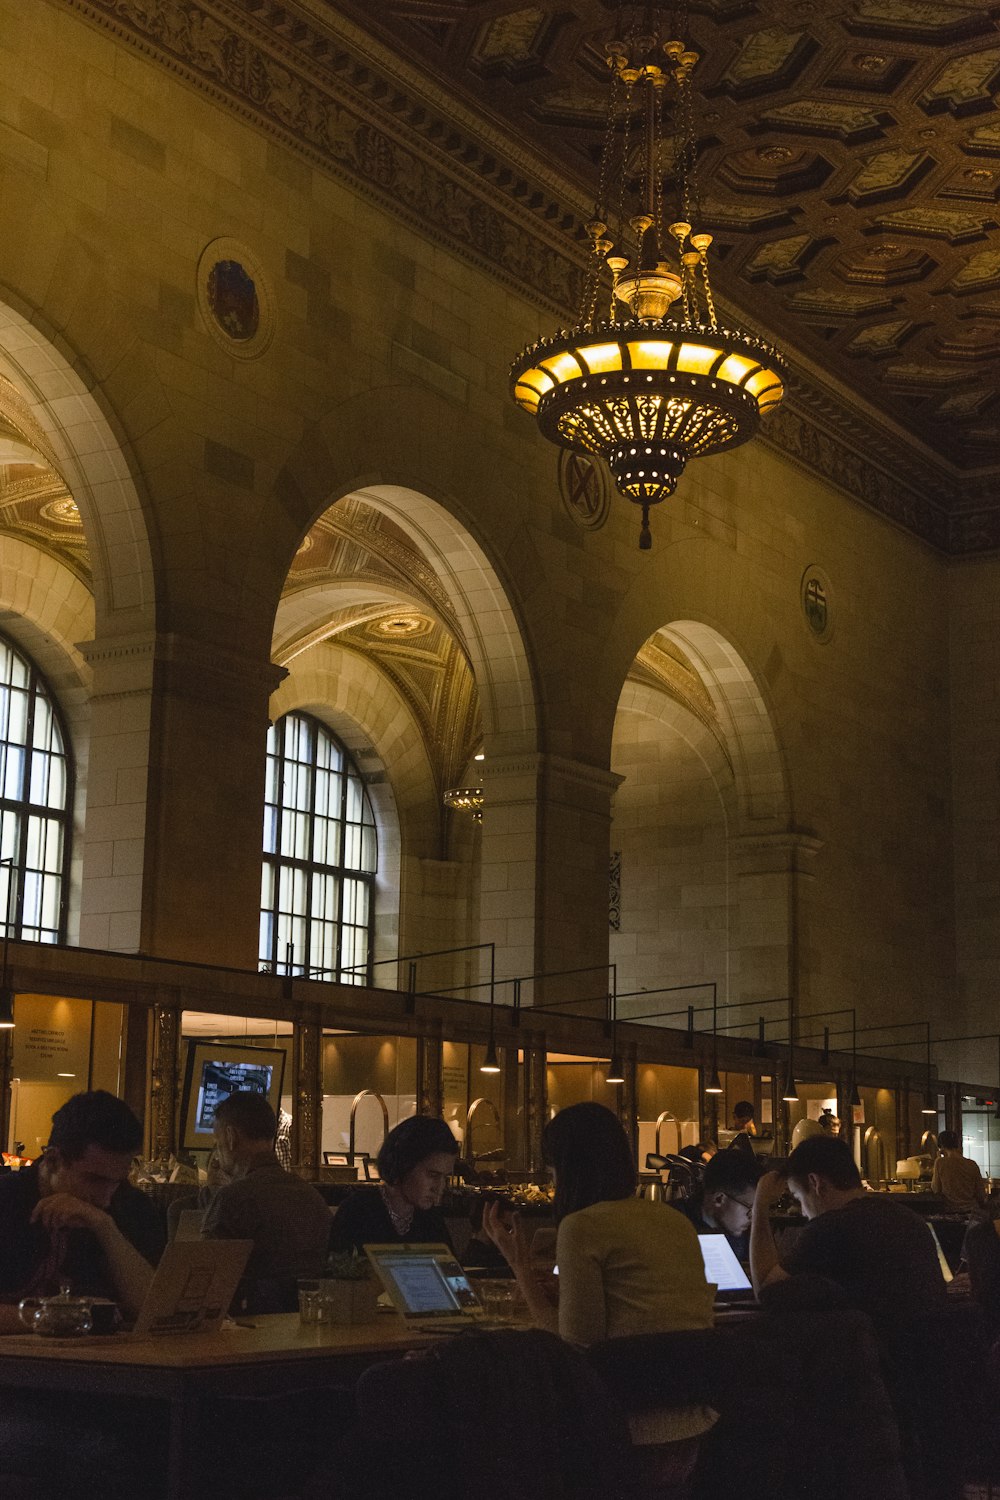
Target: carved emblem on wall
234	299
583	485
816	603
615	891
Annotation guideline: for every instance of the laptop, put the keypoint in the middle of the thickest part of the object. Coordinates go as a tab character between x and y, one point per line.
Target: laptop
193	1287
191	1292
723	1270
428	1288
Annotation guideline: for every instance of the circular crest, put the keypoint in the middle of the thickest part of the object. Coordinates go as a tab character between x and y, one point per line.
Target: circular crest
584	487
817	603
235	299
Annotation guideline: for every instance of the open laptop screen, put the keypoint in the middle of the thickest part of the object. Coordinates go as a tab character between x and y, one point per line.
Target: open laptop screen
721	1265
423	1281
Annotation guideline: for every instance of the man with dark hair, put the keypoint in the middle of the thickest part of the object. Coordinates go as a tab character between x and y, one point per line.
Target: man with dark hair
73	1217
880	1253
284	1216
724	1202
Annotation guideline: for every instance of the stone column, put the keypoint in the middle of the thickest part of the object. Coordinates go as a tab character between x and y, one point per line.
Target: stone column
544	880
307	1093
114	836
201	896
772	870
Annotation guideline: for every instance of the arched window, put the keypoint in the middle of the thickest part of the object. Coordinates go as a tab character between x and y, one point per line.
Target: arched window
35	787
320	856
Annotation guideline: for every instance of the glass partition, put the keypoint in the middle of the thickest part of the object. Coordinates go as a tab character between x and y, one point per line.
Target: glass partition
981	1135
54	1051
667	1100
573	1080
369	1085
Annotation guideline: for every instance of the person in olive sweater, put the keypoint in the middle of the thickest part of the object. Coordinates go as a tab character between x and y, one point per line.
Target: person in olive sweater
415	1162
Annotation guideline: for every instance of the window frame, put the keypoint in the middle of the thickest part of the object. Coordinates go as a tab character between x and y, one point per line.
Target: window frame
310	868
11	924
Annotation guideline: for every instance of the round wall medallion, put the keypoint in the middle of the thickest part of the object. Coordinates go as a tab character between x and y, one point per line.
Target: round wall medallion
583	484
234	298
817	603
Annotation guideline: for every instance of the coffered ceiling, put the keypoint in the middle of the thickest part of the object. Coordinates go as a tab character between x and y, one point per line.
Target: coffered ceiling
849	166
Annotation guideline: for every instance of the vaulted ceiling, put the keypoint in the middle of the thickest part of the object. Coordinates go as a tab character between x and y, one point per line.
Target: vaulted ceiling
849	164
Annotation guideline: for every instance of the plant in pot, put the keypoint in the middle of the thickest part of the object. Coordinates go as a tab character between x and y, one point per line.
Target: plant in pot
349	1288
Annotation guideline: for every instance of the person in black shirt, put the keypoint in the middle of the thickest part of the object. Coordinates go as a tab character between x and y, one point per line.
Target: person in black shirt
880	1253
415	1162
724	1201
73	1217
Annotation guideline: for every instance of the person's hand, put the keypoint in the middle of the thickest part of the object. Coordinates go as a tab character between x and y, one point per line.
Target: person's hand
509	1238
770	1187
64	1211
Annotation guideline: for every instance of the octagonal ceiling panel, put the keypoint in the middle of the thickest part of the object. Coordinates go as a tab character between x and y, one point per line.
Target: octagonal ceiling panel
884	211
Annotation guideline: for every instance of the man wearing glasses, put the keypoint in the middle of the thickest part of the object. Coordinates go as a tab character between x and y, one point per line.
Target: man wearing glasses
724	1203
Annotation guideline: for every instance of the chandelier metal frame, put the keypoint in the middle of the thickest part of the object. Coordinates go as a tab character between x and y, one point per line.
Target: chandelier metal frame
639	387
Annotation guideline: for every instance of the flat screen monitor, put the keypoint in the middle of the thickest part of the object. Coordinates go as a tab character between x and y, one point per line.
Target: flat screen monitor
214	1071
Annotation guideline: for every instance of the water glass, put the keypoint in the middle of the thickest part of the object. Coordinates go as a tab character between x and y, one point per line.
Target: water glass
310	1302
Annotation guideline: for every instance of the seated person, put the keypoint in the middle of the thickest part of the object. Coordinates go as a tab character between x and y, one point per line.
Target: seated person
481	1253
743	1124
724	1201
956	1177
285	1217
74	1217
626	1265
880	1253
415	1161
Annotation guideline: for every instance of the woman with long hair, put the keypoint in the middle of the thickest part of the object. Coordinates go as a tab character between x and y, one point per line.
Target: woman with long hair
626	1266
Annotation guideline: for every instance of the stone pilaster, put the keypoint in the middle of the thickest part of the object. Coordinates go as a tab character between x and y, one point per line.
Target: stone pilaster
201	897
544	883
114	836
773	870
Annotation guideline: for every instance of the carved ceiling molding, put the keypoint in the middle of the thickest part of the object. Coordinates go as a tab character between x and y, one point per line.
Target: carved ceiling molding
301	83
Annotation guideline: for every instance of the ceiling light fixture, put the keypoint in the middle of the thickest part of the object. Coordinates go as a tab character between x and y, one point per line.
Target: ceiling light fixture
641	388
465	799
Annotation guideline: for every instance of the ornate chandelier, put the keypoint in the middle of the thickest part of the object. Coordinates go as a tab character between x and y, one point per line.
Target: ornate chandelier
644	388
465	799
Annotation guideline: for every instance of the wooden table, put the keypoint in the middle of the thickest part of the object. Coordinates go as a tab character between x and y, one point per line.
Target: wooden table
268	1355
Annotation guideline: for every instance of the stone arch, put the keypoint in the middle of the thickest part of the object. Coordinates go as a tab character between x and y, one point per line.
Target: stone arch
395	449
705	811
745	718
83	377
86	451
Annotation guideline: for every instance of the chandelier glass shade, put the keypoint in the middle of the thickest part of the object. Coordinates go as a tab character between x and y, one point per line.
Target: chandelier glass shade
639	385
